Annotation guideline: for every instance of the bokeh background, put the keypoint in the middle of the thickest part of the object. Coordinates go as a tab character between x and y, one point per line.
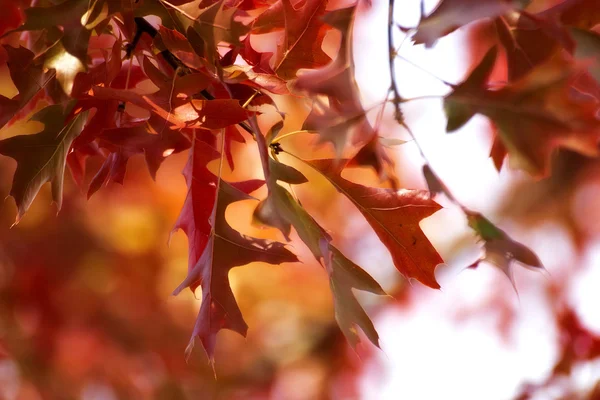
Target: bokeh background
86	310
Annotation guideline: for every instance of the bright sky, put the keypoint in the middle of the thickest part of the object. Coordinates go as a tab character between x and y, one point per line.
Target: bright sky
429	353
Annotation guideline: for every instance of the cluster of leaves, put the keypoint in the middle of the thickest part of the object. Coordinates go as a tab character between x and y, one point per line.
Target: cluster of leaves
84	67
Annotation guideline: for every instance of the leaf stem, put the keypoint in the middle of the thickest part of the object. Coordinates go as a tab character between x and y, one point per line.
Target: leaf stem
277	139
425	97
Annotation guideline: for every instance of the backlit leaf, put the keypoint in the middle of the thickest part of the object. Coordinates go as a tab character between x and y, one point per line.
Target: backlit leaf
42	157
394	216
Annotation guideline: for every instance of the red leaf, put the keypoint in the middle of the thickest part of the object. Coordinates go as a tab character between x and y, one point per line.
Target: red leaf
29	78
303	35
215	247
177	107
67	14
450	15
583	14
11	16
344	121
394	216
534	116
178	44
126	142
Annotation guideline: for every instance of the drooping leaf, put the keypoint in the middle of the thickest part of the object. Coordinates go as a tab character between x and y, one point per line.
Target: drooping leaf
344	275
500	250
450	15
280	210
67	14
41	157
217	24
373	155
231	135
11	17
215	247
587	48
175	103
526	46
343	121
534	116
303	35
28	77
435	184
582	14
181	48
125	142
394	216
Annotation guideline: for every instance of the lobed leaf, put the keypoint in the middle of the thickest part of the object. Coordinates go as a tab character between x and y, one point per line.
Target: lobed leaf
42	157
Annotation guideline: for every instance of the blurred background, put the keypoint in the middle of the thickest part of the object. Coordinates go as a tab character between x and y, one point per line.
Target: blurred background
86	310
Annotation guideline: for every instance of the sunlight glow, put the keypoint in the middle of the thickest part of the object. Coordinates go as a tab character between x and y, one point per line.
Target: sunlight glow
66	65
168	152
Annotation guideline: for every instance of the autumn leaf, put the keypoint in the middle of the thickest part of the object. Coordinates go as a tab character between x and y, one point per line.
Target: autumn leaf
373	155
215	247
527	45
435	184
280	210
67	14
450	15
217	24
582	14
587	48
535	38
180	47
231	135
534	116
394	216
343	121
175	102
344	275
28	77
125	142
303	35
42	157
11	16
500	250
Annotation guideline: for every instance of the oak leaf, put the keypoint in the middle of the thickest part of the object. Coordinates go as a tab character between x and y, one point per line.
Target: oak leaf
280	210
343	121
67	14
41	157
303	35
534	115
28	77
394	216
500	250
215	247
450	15
125	142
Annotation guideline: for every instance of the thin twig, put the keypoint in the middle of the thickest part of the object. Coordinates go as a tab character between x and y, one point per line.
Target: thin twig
393	85
408	61
398	99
